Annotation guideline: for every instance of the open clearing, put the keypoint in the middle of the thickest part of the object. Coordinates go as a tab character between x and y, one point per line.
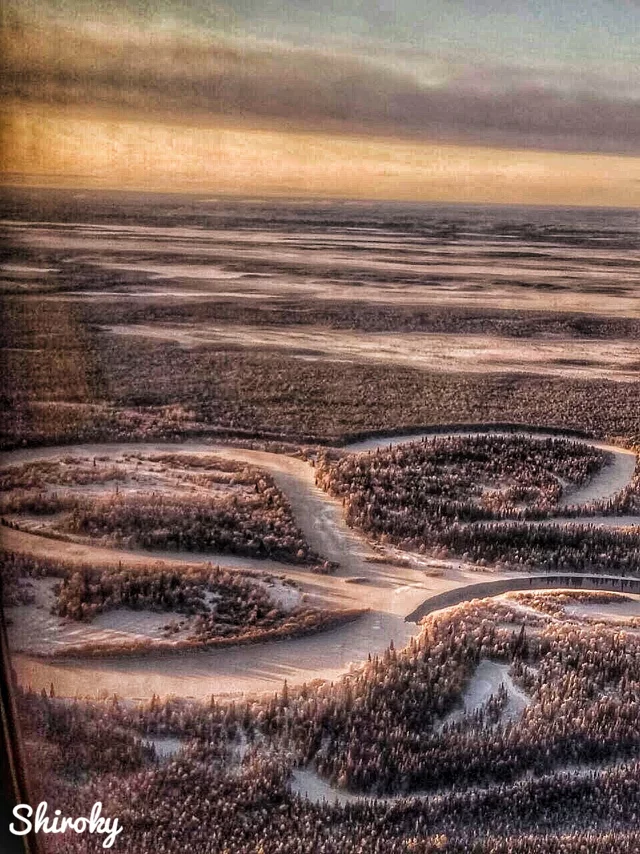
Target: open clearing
309	785
34	629
489	676
614	612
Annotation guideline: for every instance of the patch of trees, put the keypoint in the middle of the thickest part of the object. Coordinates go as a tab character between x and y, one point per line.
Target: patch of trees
219	606
208	633
556	603
81	744
258	526
255	520
70	471
465	478
484	499
329	402
209	798
501	787
148	390
377	731
16	571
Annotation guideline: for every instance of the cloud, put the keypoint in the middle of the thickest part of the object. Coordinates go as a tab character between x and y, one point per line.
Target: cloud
186	75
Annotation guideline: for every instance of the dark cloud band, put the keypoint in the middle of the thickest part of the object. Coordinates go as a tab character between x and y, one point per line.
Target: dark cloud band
153	71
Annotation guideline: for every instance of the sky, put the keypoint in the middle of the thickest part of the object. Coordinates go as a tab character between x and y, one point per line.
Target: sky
470	100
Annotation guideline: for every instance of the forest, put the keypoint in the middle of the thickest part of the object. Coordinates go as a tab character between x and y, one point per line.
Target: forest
486	499
563	781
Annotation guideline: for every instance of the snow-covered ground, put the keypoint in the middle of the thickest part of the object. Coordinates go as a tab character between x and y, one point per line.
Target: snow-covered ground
485	683
618	612
306	783
390	590
611	479
166	746
571	357
34	629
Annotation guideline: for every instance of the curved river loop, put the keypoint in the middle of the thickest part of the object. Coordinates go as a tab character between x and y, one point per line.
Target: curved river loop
394	595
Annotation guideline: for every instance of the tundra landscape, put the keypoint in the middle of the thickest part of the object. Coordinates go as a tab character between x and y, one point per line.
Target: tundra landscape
321	521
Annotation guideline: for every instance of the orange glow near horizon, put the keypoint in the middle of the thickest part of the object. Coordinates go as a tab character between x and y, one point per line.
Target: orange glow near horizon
89	149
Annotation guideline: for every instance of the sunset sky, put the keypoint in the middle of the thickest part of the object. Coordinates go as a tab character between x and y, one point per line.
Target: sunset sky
470	100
